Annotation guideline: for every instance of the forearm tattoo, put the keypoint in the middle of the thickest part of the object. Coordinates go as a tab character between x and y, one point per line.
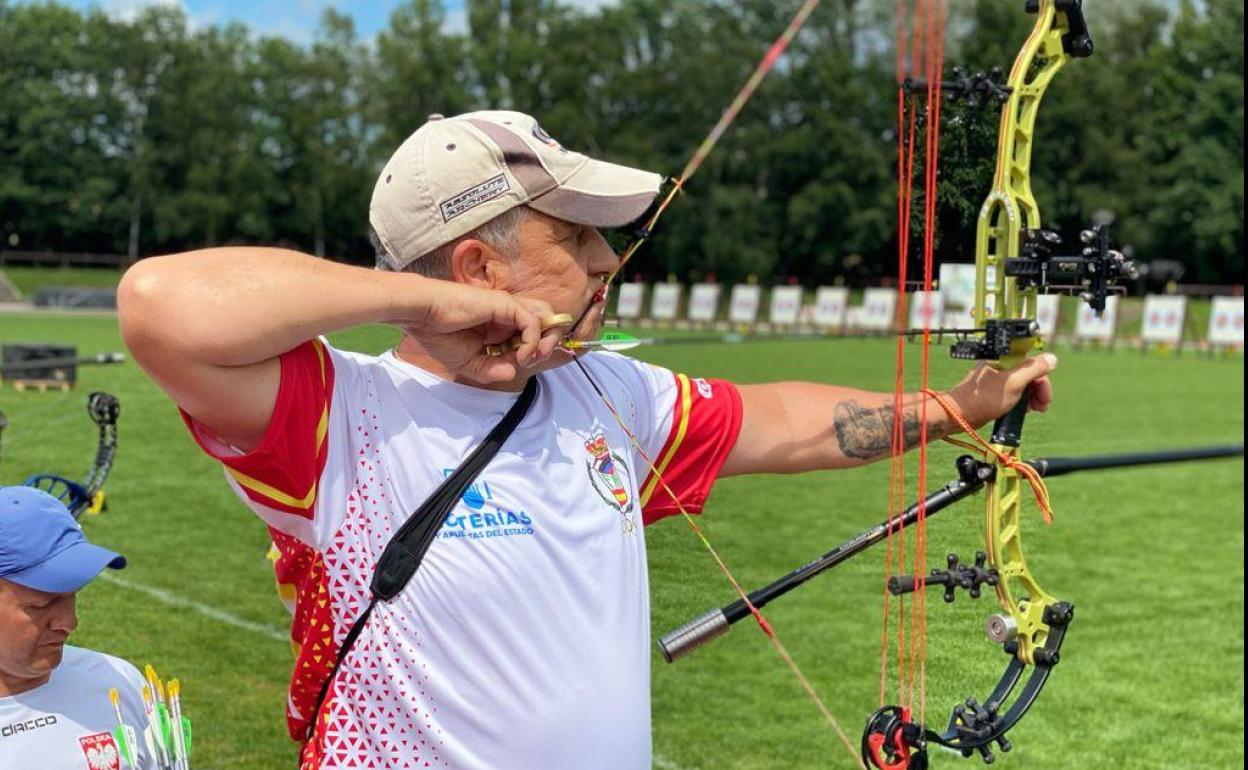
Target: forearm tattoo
866	433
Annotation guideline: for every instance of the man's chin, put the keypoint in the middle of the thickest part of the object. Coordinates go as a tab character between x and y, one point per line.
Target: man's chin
590	324
48	657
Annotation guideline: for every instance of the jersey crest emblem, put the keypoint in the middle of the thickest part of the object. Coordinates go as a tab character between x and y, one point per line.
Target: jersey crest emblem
609	474
101	751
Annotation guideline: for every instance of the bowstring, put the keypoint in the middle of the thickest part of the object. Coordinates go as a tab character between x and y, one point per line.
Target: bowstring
936	37
905	173
17	425
924	28
763	624
764	66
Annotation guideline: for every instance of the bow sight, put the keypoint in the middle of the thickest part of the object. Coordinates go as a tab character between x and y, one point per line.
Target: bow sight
1093	275
976	89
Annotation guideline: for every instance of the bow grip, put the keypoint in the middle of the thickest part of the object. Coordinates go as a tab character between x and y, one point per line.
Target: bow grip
1008	429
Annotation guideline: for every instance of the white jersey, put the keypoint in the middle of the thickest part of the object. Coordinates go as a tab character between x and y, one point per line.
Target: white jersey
523	640
68	723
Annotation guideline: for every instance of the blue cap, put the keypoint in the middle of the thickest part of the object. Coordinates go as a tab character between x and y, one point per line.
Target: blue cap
42	547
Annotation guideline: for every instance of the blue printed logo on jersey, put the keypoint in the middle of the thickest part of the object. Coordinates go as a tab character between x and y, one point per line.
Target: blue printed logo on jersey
486	516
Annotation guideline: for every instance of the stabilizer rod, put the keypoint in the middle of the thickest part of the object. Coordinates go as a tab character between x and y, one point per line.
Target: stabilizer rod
708	626
972	475
1060	466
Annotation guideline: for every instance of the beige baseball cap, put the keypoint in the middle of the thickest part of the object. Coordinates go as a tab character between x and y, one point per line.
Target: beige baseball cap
455	174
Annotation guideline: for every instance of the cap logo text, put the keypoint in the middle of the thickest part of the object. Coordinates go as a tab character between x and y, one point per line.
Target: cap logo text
473	197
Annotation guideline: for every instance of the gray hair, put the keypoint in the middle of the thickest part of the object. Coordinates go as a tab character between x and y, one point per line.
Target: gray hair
502	233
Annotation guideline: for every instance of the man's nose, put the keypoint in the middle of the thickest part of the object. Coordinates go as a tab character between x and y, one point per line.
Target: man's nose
603	260
65	618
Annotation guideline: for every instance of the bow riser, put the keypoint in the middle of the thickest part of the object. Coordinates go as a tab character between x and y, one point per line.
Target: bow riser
1010	207
1020	595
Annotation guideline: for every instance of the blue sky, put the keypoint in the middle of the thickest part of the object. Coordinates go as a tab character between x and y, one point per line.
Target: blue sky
295	19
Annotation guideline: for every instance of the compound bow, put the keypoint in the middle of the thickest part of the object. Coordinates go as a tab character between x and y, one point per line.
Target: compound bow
87	494
1015	259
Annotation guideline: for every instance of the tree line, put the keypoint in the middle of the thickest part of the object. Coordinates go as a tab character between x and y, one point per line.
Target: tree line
147	134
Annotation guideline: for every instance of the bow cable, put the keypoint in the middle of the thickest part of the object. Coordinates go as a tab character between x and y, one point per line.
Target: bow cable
765	65
925	55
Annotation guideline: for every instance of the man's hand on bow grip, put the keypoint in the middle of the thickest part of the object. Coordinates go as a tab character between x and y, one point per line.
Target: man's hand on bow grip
988	393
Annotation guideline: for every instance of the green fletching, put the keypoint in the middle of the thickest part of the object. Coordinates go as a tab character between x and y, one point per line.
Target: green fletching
162	715
616	341
125	739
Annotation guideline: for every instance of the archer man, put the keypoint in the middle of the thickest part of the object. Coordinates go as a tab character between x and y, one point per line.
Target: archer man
521	642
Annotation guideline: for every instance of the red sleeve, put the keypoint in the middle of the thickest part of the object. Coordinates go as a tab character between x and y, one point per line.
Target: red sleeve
706	419
282	471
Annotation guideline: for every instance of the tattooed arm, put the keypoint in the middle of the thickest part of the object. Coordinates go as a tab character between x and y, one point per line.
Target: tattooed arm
866	432
790	427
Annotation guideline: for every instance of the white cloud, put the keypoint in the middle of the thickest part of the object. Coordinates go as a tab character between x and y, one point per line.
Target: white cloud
128	9
456	21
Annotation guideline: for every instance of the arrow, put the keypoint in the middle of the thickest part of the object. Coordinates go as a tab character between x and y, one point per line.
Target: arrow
621	341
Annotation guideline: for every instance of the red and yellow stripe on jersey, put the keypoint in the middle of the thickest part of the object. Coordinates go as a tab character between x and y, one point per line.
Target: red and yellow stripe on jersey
282	474
706	420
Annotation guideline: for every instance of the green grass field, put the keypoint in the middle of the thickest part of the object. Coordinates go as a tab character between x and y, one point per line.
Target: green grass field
29	280
1152	671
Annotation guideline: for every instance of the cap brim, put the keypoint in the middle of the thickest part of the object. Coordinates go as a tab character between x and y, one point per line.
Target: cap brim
601	194
68	570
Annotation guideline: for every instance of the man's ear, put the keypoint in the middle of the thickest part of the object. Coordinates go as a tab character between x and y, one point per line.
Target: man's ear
477	264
